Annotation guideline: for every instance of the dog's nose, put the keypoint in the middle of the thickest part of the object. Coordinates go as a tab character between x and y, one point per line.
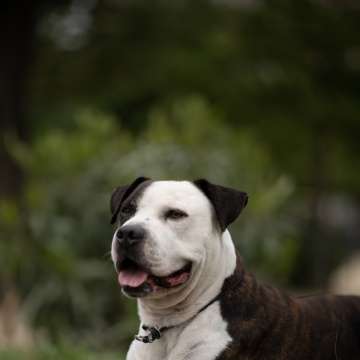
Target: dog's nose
129	235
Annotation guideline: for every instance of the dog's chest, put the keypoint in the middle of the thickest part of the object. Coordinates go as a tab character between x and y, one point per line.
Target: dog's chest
204	338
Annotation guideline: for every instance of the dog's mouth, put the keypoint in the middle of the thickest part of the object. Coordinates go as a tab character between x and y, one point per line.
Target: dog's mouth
137	281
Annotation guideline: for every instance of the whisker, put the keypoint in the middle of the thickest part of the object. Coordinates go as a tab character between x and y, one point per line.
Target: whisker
107	255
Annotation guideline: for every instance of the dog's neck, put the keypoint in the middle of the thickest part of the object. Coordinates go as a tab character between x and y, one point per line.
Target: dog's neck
208	278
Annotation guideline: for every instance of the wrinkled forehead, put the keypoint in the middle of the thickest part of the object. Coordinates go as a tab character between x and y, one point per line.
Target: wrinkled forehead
178	194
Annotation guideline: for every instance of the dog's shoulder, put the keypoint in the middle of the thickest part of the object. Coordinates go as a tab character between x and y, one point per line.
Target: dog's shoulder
252	311
265	322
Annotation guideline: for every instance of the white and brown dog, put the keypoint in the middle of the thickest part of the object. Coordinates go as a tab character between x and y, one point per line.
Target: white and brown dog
172	252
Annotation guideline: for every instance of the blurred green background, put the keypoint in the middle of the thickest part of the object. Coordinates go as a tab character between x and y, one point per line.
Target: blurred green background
261	95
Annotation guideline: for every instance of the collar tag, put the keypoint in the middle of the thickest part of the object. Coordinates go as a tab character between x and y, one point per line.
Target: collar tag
154	334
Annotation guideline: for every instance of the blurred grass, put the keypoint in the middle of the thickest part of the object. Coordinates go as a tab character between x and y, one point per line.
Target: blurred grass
59	352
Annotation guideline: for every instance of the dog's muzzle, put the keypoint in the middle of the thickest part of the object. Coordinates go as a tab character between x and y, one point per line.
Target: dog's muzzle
134	274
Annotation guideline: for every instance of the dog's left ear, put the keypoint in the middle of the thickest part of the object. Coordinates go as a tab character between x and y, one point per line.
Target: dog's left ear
120	194
228	203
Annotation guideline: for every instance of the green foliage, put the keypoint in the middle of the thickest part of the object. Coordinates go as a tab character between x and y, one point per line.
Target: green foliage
261	97
287	70
68	282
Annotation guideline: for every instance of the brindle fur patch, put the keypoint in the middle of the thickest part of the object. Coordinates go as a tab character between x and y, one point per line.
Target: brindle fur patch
266	324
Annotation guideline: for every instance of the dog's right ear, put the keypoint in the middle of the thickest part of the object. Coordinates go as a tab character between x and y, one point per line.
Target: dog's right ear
228	203
120	194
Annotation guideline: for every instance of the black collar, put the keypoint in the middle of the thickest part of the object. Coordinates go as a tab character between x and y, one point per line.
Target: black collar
155	333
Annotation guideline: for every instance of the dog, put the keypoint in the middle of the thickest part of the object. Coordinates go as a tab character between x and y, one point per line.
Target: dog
173	253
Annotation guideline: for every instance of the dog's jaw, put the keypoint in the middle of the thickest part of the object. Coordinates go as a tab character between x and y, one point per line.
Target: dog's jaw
138	282
206	283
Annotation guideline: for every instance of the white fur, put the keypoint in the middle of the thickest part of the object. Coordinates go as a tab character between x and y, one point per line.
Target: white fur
171	244
201	339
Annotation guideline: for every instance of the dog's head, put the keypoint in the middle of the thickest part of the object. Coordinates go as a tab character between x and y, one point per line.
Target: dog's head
164	229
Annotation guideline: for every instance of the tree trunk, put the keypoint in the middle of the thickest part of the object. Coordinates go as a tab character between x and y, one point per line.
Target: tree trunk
17	29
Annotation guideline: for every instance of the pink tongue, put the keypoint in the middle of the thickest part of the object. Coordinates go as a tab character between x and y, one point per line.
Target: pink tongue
133	278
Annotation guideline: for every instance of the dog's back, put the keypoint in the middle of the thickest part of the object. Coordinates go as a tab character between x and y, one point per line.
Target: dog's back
334	324
265	323
326	328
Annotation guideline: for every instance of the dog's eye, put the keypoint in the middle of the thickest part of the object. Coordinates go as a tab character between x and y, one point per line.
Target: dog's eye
175	214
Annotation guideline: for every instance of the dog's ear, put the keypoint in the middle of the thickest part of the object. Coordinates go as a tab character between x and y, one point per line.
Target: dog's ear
120	194
227	202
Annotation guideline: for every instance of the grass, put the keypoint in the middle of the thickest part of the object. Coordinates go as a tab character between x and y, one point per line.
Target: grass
62	352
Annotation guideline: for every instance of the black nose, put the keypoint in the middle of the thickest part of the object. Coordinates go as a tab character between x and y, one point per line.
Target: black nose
129	235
